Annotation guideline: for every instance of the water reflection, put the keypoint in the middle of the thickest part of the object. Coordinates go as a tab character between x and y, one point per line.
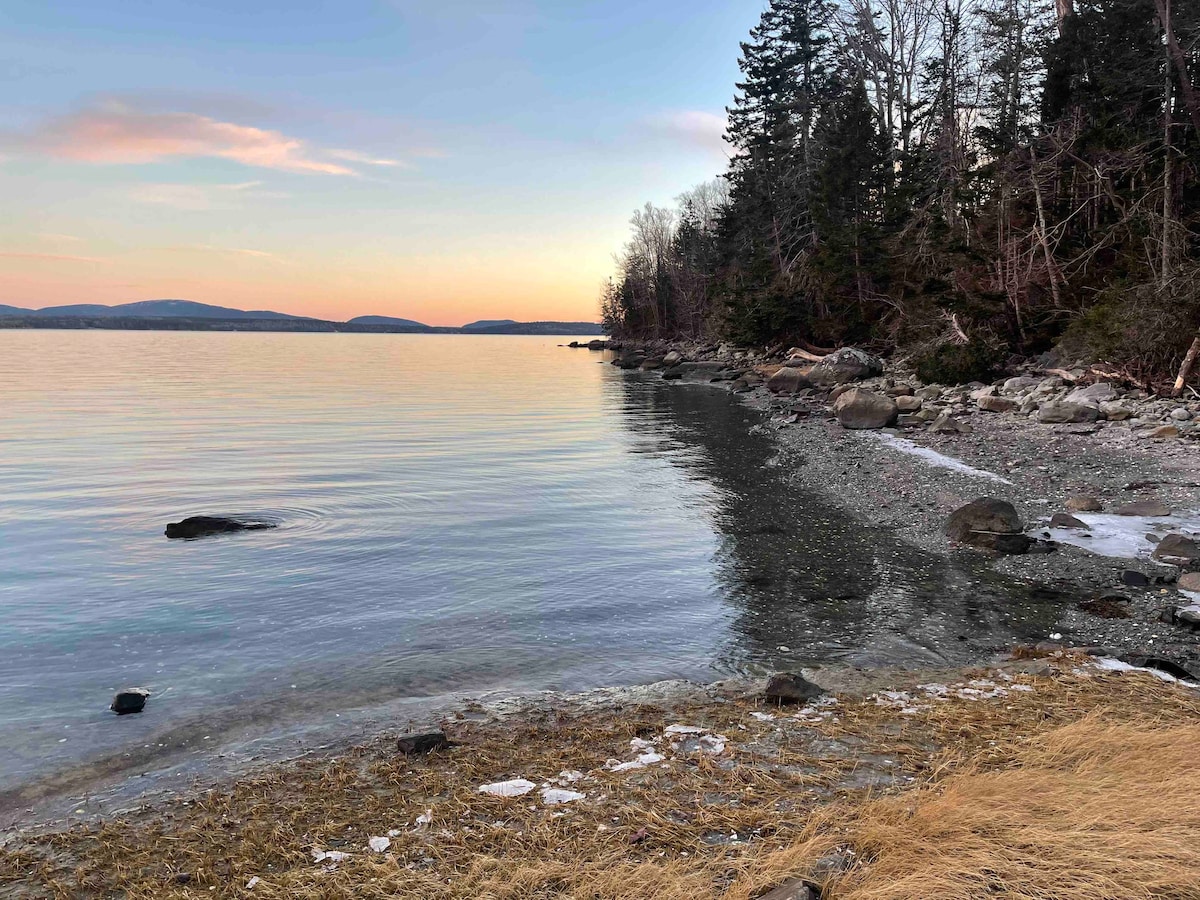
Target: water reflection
802	575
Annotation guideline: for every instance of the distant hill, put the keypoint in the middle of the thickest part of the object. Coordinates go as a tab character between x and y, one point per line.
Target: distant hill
484	324
147	309
386	320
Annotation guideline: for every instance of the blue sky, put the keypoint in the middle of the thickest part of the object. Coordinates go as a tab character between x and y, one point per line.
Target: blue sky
437	160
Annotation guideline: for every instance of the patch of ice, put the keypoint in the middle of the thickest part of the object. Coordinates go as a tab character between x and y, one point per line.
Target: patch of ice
646	759
1108	664
713	743
555	796
379	844
1023	688
938	460
568	776
1123	537
253	883
763	717
640	744
332	856
517	787
684	729
426	818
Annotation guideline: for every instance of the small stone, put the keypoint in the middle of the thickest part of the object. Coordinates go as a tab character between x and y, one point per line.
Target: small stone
420	744
1181	415
1062	520
798	889
1116	412
130	700
1081	503
791	687
992	403
1153	509
1189	581
908	404
1164	431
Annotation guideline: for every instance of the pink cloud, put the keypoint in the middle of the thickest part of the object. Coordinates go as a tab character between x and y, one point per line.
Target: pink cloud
116	133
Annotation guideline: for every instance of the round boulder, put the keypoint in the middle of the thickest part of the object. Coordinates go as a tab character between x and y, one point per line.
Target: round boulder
846	365
989	524
860	409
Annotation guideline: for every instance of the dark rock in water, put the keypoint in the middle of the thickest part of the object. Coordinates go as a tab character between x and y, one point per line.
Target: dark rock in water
791	687
597	345
672	375
205	526
846	365
130	700
859	409
420	744
1062	520
1151	508
1135	579
989	524
1178	550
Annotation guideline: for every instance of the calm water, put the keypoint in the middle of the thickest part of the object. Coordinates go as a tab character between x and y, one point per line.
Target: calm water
456	514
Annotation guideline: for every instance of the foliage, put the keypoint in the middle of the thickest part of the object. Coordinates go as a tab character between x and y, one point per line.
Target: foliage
953	363
1003	165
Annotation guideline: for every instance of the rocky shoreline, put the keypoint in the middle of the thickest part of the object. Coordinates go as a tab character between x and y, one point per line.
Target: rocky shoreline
873	439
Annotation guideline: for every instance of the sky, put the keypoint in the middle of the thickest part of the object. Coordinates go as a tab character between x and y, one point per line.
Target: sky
438	160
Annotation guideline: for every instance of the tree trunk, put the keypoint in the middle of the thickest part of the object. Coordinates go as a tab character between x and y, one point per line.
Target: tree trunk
1177	55
1186	369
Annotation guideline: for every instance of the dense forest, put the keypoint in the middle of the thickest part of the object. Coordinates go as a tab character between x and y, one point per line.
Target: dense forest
963	179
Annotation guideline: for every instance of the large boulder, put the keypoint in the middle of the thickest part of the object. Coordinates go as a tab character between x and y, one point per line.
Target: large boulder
788	381
1154	509
846	365
1067	413
206	526
1178	550
861	409
1093	394
989	524
992	403
672	359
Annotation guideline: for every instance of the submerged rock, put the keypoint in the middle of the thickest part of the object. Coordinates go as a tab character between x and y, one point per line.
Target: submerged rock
860	409
130	700
989	524
846	365
791	687
206	526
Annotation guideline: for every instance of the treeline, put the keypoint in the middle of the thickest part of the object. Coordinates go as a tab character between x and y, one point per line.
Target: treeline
962	178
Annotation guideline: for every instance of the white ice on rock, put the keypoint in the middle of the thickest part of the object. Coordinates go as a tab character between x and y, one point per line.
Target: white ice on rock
1124	537
938	460
379	844
517	787
646	759
1108	664
331	856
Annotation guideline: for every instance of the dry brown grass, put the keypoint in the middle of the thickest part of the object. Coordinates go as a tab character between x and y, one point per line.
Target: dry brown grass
1082	788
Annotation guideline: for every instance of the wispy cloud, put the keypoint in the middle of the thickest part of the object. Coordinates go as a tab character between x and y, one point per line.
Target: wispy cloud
53	238
113	132
232	251
51	257
366	159
201	197
695	127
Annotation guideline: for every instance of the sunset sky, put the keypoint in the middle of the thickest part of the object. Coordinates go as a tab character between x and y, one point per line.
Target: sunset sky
441	160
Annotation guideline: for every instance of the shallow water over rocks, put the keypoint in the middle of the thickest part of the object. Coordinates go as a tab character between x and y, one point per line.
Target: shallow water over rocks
455	514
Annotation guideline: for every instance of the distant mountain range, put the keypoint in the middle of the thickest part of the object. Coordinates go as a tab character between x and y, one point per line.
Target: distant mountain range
187	315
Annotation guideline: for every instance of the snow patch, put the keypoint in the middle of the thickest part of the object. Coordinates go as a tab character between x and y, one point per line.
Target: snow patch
1123	537
555	796
517	787
646	759
938	460
379	844
330	856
